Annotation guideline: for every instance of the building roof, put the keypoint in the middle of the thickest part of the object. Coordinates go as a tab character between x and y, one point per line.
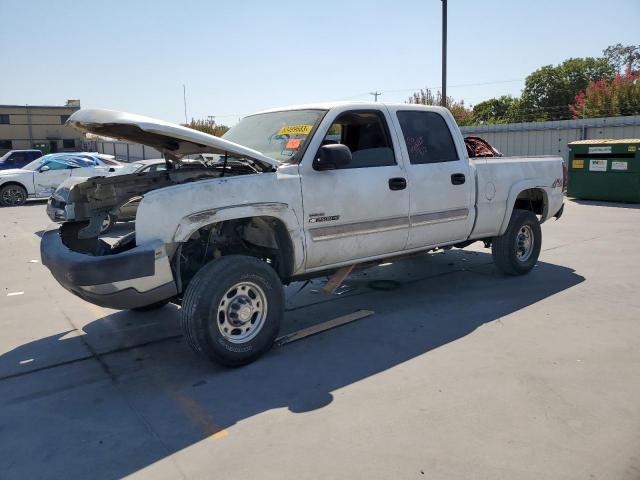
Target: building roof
39	106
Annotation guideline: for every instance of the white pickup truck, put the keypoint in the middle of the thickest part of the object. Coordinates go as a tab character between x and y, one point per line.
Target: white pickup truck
296	192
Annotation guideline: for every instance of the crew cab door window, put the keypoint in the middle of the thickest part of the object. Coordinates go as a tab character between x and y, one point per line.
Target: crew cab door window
427	137
441	184
367	136
353	212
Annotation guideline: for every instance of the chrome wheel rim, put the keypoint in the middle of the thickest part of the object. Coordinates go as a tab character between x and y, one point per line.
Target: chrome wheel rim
13	196
242	312
524	243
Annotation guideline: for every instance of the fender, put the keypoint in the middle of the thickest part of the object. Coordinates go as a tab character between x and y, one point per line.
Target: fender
518	188
24	179
194	221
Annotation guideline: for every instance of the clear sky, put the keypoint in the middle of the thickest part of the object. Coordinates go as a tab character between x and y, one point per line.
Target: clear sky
240	56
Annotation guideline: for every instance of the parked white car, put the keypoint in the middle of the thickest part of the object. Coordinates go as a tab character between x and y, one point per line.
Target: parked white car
41	177
297	192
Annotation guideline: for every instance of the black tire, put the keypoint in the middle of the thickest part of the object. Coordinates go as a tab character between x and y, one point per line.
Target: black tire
13	195
508	249
153	306
212	290
108	224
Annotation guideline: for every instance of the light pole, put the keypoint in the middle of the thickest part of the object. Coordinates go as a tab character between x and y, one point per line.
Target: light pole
184	99
444	53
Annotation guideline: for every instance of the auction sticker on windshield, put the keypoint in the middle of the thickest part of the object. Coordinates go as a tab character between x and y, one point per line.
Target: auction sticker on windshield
293	143
295	130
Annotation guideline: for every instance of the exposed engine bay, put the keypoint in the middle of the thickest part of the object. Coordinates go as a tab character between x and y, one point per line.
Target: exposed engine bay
87	204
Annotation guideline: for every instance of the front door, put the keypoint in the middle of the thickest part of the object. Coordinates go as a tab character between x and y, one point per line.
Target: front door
359	210
441	184
50	175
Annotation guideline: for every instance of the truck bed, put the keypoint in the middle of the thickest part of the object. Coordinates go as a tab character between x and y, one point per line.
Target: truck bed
498	177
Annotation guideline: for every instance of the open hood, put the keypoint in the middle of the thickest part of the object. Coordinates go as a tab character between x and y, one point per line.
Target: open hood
174	141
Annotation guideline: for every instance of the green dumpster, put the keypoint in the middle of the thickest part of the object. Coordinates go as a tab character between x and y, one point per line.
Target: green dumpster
605	170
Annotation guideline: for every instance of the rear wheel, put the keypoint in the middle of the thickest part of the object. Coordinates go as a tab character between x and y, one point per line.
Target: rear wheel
13	195
232	309
517	250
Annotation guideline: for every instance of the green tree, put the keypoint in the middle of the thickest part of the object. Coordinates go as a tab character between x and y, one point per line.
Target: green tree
493	110
550	90
207	127
623	57
462	114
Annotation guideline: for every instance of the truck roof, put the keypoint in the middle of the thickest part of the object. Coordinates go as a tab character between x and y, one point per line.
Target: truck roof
347	104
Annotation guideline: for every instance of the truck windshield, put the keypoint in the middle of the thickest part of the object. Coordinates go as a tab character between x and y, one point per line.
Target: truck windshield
279	135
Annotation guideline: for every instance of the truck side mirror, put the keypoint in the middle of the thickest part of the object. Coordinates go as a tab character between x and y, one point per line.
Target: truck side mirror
45	168
331	157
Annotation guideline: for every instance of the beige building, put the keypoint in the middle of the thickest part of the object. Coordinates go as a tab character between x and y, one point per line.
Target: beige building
38	126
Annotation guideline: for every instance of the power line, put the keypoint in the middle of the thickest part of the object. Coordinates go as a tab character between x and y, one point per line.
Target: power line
437	87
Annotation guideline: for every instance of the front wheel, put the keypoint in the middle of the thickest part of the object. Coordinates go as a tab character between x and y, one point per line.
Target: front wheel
13	195
232	309
517	250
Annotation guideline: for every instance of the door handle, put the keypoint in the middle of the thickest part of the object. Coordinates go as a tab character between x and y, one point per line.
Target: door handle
397	183
458	178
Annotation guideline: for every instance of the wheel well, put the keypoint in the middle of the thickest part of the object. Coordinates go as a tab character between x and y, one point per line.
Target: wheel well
12	183
262	237
533	199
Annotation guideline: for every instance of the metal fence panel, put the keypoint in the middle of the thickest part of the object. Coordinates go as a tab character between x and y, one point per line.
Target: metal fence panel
551	138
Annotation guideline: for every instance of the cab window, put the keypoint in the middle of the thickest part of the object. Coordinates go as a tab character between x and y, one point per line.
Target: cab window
427	137
367	136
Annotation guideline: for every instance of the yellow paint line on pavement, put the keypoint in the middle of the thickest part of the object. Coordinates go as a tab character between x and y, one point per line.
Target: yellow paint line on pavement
219	435
200	416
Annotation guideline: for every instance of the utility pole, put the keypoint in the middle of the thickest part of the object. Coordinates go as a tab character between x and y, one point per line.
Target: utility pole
444	53
211	119
184	98
375	95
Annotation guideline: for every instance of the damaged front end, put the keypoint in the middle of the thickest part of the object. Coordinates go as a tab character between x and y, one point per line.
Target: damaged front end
127	275
122	275
91	201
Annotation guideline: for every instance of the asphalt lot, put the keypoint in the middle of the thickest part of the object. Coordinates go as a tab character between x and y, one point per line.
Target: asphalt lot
460	373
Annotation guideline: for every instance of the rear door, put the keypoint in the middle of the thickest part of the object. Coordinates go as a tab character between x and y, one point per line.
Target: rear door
360	210
441	184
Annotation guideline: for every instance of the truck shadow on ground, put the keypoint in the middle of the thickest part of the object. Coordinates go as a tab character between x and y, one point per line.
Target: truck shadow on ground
146	402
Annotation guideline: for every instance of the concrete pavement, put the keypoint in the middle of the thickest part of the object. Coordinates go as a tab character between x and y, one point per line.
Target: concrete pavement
461	372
